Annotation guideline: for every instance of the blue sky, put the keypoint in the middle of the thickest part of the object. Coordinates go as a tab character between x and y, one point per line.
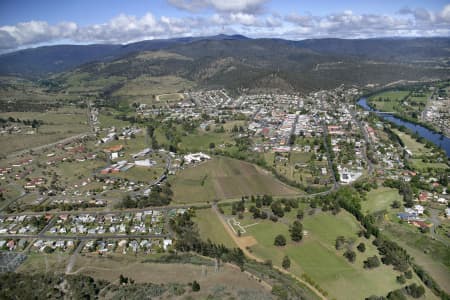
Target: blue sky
32	23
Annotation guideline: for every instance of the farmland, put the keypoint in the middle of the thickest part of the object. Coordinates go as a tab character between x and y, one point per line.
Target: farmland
223	178
388	101
56	125
317	257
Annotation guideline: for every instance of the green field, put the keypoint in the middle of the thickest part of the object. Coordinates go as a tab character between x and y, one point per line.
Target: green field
380	199
300	167
211	228
415	147
173	97
59	124
316	255
419	151
202	140
389	100
428	253
144	89
223	178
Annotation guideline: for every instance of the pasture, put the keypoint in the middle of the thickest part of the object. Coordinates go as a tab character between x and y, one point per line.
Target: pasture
388	101
58	124
201	141
380	199
210	227
317	256
224	178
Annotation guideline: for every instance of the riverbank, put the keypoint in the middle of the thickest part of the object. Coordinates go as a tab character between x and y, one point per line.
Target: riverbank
432	136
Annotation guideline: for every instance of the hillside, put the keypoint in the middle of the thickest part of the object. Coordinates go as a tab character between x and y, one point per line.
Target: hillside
236	63
255	65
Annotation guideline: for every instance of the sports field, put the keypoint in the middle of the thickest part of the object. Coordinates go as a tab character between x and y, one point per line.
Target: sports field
223	178
388	101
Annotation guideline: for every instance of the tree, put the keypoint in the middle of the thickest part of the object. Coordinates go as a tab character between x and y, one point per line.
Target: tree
296	231
300	214
123	280
361	247
371	262
280	240
401	279
414	290
286	264
350	255
195	286
396	204
277	209
396	295
212	145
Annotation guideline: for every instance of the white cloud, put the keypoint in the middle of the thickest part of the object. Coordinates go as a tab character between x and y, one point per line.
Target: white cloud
230	17
220	5
34	32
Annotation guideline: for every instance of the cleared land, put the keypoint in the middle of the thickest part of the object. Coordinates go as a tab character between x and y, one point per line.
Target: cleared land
380	199
211	228
202	140
211	282
316	255
388	101
223	178
57	125
144	89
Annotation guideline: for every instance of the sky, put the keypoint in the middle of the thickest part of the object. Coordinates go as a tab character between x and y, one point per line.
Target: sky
31	23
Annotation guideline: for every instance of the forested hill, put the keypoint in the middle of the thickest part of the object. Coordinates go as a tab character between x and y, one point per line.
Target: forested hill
236	63
42	61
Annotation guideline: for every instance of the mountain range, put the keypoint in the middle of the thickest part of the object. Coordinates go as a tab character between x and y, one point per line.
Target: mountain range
239	63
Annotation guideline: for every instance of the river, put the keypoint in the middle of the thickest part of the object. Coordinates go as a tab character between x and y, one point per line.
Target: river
438	139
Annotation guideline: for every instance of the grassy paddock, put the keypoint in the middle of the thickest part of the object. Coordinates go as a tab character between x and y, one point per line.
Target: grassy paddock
223	178
380	199
316	255
211	228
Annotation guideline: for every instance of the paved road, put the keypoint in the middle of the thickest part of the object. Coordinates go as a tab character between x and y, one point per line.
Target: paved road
84	237
330	161
368	142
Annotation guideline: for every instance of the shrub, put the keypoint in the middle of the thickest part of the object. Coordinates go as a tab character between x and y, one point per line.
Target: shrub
401	279
195	286
371	262
361	247
350	255
286	264
280	240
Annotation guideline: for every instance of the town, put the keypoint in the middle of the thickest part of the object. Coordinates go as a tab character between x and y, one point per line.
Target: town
118	189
